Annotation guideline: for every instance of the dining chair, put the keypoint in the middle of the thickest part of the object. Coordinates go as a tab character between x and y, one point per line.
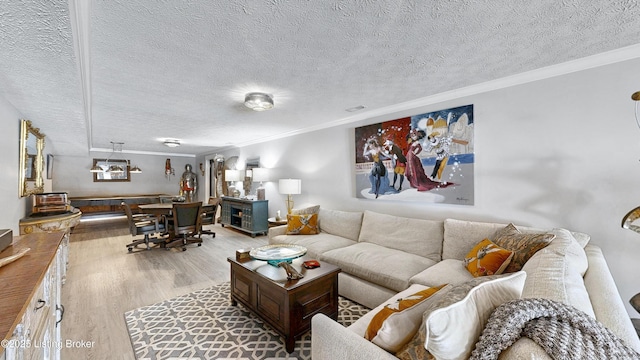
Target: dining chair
143	224
184	225
209	212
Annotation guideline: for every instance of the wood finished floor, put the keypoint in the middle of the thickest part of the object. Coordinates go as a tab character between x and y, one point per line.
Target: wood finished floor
104	281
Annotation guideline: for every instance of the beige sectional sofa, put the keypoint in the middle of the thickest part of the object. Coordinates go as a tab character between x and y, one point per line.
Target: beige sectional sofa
385	257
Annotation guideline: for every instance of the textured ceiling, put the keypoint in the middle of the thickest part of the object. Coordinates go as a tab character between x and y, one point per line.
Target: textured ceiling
141	71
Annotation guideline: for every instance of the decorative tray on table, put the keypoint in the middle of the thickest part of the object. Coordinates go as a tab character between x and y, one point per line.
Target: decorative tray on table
280	255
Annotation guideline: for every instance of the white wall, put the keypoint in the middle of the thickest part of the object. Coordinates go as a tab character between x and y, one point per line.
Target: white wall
560	152
13	207
71	174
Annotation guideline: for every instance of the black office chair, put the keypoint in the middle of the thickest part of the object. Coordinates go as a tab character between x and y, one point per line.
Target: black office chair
143	224
185	225
209	212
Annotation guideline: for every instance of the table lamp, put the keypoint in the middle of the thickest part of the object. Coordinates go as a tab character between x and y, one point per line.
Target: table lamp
290	187
232	176
260	175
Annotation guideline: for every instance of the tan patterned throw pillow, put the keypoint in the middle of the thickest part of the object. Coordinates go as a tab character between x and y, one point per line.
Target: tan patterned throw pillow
302	224
523	245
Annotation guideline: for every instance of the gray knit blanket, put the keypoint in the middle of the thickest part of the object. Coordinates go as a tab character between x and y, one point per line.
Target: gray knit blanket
563	331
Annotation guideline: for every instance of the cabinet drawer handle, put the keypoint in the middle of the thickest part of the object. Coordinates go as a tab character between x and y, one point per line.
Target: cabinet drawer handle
61	309
41	303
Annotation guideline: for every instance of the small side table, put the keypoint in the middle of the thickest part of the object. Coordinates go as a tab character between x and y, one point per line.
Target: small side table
273	222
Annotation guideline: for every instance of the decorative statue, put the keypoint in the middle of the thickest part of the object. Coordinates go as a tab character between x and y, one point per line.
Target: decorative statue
168	170
189	184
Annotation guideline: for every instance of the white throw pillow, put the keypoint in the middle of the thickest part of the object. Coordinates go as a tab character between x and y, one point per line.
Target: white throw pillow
397	321
400	327
454	325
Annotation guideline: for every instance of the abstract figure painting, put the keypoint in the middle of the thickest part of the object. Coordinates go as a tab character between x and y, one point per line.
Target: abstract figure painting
427	157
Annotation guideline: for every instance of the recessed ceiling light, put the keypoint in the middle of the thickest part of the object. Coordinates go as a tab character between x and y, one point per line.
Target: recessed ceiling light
355	108
172	143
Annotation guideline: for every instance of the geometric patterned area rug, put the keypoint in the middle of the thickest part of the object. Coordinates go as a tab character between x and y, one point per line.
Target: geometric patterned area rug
204	325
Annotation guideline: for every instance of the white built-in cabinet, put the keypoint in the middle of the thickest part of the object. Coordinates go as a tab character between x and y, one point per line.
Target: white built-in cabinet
34	332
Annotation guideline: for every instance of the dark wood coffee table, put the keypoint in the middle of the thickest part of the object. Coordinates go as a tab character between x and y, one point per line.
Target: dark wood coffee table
286	305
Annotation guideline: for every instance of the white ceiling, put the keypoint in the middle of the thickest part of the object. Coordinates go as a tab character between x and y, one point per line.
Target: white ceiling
141	71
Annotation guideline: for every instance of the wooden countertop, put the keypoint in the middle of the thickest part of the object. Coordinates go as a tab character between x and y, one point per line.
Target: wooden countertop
19	280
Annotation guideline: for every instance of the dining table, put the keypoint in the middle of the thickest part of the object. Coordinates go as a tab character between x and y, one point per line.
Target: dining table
157	209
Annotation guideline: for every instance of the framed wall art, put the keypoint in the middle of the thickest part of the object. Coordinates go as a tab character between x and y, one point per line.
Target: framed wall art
108	173
426	157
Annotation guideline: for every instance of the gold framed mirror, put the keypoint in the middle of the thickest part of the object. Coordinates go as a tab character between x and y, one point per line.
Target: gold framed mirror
31	159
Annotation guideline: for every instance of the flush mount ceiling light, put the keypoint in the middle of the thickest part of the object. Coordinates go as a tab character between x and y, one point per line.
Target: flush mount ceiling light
172	143
258	101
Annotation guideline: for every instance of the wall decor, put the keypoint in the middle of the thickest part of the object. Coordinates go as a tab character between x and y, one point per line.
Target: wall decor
31	165
426	157
107	174
168	170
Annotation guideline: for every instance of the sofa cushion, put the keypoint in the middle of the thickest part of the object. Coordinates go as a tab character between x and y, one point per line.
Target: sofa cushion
487	258
447	271
386	267
415	236
305	224
315	244
556	272
395	322
340	223
452	325
524	245
460	236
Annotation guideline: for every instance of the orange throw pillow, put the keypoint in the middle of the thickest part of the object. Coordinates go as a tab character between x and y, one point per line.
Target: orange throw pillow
305	224
487	258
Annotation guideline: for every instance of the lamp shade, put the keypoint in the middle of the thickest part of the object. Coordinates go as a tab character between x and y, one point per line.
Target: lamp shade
260	174
232	175
290	186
